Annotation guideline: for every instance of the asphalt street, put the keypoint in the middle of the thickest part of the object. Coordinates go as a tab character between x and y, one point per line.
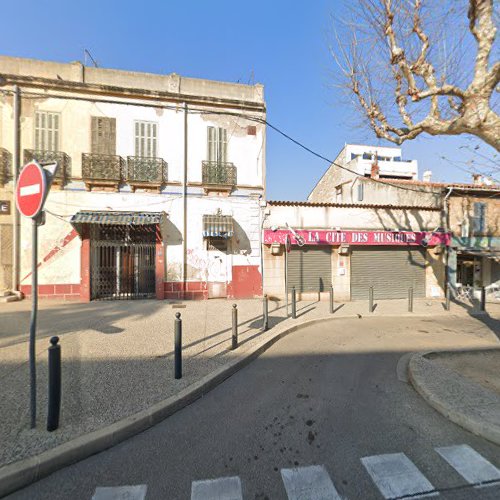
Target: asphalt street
332	396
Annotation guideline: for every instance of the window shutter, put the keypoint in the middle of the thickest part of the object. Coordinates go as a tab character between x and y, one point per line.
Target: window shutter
46	131
211	144
479	218
222	145
360	192
103	135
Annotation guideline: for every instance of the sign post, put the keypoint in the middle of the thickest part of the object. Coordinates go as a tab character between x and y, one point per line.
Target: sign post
32	188
288	247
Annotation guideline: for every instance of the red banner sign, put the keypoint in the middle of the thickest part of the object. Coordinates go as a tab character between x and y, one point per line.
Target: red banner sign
321	237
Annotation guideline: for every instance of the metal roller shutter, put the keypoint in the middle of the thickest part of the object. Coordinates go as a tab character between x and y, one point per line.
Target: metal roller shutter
390	270
310	269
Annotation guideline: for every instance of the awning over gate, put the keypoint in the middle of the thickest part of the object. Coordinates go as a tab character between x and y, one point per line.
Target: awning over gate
115	218
218	226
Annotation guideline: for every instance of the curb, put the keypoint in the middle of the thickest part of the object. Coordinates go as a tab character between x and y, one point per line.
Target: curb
457	398
19	474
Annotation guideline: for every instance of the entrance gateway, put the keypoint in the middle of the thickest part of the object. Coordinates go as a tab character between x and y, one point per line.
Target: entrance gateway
122	253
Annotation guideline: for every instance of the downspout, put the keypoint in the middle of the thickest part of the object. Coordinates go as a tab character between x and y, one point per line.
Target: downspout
16	166
184	200
446	207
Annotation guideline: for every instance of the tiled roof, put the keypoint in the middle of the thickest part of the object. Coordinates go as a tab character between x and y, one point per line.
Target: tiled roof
277	203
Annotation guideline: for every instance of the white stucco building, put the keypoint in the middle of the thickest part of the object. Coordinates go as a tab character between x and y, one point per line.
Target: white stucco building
159	186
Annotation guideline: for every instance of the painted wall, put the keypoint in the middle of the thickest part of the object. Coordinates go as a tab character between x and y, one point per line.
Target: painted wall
59	249
352	218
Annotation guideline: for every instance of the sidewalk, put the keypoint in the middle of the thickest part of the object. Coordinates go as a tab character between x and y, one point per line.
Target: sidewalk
118	356
463	386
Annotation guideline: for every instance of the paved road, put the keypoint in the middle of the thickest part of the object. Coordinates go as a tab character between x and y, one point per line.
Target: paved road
329	396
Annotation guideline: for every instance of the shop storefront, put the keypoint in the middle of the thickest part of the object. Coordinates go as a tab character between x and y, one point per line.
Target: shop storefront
353	261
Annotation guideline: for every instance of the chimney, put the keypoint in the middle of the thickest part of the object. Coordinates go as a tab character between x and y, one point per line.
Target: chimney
374	174
427	176
478	179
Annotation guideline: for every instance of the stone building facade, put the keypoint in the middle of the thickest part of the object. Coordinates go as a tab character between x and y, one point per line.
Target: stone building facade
160	181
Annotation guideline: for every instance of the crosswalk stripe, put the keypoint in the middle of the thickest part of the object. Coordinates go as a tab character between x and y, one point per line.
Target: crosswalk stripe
395	475
224	488
472	466
137	492
309	483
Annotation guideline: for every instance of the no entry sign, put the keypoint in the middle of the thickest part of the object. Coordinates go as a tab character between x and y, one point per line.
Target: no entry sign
31	190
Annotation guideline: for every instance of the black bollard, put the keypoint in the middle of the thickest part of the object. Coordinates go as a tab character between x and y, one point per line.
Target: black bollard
178	346
370	299
234	338
265	313
483	298
331	300
410	299
448	296
294	303
54	385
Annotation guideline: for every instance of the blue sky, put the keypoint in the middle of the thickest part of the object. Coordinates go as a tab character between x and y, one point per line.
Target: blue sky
279	43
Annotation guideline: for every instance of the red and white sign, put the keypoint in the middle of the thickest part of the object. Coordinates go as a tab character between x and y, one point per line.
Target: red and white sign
31	190
374	238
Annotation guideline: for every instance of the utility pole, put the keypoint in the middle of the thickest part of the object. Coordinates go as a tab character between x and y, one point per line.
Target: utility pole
16	160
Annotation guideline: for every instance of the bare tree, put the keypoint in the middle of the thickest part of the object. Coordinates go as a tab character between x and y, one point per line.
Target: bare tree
407	65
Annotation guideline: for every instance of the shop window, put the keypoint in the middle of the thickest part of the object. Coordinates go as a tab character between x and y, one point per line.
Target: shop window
217	244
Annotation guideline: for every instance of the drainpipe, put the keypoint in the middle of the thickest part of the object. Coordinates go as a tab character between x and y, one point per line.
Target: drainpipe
16	165
184	199
446	207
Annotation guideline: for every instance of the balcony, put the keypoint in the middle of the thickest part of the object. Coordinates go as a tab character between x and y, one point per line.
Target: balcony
5	163
42	157
404	169
146	172
99	170
217	176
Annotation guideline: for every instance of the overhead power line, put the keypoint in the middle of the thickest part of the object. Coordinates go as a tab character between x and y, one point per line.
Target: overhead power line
246	116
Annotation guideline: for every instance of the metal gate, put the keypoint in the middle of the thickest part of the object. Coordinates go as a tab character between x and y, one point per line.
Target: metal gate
389	270
122	260
310	269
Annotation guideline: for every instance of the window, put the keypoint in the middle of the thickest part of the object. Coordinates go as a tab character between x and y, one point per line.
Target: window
103	132
479	218
368	156
146	139
217	144
360	192
47	131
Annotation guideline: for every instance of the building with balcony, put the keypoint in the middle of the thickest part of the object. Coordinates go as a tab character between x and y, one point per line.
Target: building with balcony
159	183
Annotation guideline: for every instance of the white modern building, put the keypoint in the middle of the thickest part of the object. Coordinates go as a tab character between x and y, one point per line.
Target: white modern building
159	183
358	161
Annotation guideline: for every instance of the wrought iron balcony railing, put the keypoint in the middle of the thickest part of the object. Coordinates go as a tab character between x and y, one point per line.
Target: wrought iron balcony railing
4	166
215	173
42	156
146	170
99	167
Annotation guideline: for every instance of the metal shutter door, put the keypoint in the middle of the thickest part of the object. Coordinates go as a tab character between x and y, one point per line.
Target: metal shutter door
390	270
310	269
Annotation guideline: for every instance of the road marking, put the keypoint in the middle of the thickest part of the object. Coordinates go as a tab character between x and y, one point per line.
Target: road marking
224	488
473	467
121	492
29	190
309	483
396	475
